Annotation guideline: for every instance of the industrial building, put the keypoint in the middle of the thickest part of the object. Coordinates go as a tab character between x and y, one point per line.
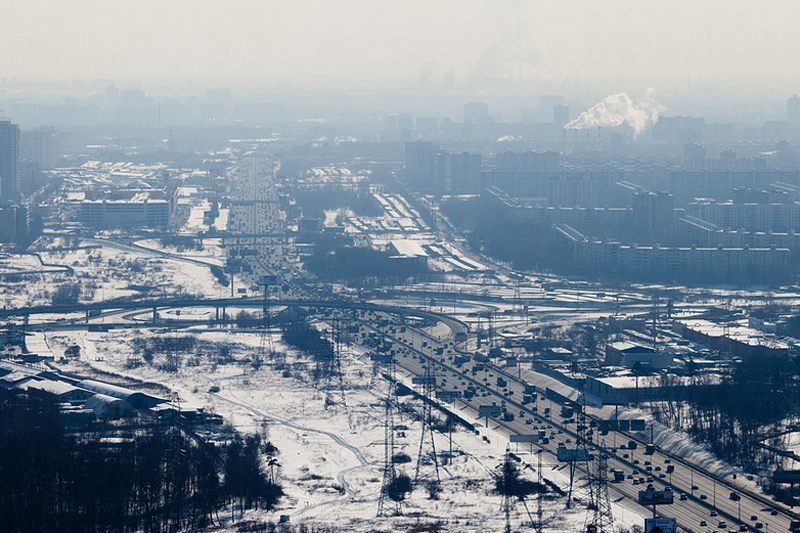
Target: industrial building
632	355
736	339
409	252
629	389
77	398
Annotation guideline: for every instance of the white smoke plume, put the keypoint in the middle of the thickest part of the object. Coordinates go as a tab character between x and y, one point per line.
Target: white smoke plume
618	109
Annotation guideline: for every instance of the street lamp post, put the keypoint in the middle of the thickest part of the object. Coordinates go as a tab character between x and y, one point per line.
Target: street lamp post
715	493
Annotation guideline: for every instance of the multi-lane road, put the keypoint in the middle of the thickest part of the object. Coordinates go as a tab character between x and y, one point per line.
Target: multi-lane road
702	501
414	350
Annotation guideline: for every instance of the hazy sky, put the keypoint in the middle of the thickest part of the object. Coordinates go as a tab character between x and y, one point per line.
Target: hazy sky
378	43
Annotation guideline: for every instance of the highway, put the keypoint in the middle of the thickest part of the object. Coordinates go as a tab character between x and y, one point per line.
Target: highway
97	309
415	349
711	494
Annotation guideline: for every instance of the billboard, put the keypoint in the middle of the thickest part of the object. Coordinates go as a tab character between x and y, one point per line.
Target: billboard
655	497
572	456
489	411
637	424
621	425
660	525
448	396
524	438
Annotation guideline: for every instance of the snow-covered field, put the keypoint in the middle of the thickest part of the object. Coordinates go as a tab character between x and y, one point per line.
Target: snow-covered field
331	458
105	272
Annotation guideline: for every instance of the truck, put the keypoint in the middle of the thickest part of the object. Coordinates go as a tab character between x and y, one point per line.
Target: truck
619	476
649	449
631	444
527	398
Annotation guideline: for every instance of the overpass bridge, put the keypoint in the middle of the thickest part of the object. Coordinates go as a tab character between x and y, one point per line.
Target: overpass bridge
220	305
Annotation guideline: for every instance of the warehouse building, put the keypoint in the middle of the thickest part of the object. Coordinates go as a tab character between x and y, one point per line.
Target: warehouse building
628	389
632	355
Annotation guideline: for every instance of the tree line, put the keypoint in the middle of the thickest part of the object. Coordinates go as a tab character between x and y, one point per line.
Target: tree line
162	478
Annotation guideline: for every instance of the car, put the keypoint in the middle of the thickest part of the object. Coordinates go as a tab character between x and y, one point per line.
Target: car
647	463
773	512
658	469
759	525
662	475
667	461
722	524
753	517
683	497
703	497
703	523
744	527
636	461
635	481
625	456
714	512
695	487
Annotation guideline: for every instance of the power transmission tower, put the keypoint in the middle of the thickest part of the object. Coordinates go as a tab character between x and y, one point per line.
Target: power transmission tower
582	445
265	347
172	360
428	390
506	478
389	472
335	371
602	517
517	296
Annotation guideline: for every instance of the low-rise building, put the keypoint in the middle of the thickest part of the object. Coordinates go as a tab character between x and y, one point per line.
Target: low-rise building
58	390
630	389
632	355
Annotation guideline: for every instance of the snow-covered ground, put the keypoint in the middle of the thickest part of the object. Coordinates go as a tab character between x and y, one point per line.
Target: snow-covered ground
106	271
331	458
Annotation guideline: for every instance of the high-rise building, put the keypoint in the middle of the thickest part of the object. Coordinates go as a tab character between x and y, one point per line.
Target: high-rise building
9	161
14	224
462	174
420	162
793	110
